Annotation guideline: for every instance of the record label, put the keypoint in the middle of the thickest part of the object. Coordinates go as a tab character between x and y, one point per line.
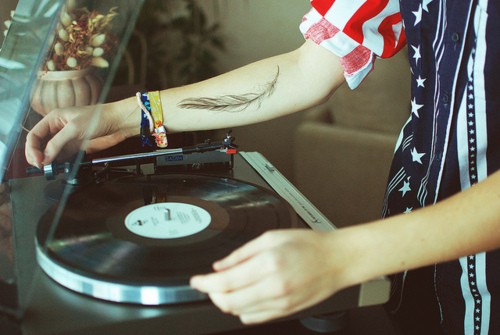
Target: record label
167	220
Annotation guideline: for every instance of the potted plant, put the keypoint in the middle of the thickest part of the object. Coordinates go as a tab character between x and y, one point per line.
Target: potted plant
82	43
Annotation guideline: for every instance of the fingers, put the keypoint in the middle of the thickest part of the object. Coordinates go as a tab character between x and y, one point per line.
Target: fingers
244	266
258	313
63	131
33	154
272	297
249	282
273	276
271	292
254	297
34	144
39	150
238	276
68	134
238	269
245	252
260	316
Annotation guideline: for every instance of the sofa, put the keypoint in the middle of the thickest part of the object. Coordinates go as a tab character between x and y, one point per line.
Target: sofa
343	150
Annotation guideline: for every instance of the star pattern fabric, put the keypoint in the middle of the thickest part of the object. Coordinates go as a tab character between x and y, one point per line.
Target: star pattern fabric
452	138
444	123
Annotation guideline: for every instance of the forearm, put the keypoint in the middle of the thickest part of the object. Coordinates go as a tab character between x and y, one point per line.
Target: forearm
264	90
285	271
464	224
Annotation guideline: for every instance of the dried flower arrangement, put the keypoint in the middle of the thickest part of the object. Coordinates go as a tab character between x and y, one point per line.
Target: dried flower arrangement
83	39
7	23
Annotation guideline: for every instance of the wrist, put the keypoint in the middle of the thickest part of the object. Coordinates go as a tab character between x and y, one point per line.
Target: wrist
352	262
126	116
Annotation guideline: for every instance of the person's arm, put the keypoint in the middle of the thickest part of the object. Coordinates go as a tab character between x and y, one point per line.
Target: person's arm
257	92
464	224
283	272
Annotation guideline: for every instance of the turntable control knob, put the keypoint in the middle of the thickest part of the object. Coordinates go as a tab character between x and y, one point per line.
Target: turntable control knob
270	168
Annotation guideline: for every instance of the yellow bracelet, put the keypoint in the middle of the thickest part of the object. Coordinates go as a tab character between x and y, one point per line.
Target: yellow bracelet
160	133
151	104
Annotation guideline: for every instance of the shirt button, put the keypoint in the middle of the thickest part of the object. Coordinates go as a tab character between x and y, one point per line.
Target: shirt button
455	37
446	98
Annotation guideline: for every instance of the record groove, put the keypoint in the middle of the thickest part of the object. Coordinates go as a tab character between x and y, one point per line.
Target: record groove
93	252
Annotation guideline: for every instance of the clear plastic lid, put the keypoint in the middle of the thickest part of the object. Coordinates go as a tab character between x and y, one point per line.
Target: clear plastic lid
55	54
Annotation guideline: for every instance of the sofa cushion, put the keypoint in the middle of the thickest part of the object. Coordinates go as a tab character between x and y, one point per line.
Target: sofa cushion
381	102
342	171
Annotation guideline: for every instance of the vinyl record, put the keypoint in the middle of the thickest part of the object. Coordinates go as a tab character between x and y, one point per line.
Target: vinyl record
140	239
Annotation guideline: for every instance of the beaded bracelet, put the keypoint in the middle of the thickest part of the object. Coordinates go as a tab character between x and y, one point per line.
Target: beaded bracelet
152	118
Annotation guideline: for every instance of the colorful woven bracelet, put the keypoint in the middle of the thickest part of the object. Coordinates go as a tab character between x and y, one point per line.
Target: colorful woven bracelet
150	103
160	133
146	123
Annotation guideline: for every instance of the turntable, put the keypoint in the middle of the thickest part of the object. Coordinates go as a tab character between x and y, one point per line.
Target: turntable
135	238
109	250
120	257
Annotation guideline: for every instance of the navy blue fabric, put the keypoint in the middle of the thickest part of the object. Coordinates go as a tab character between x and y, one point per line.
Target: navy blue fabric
451	142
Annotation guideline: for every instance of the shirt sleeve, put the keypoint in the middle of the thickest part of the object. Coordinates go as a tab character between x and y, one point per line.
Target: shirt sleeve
357	31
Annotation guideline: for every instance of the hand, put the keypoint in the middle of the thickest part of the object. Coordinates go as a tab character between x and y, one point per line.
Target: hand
275	275
63	132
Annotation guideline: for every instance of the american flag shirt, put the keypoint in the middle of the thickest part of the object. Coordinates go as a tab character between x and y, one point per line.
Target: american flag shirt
451	140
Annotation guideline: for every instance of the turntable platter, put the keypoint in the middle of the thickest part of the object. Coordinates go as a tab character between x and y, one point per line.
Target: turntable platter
140	239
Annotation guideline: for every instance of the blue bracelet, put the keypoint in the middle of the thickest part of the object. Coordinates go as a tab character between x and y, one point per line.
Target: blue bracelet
145	132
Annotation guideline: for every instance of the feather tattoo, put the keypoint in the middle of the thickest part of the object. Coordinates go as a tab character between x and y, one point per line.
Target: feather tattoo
232	102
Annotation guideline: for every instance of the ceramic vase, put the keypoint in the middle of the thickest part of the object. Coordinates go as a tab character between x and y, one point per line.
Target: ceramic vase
61	89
